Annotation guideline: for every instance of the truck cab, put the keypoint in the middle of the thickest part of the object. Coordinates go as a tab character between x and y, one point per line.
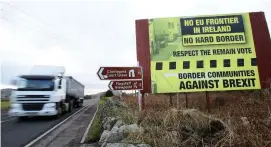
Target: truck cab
45	95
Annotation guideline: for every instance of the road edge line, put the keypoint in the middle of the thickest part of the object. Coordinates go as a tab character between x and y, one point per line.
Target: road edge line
89	125
49	131
8	119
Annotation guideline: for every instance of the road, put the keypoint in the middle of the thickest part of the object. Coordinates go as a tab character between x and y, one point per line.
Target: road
15	133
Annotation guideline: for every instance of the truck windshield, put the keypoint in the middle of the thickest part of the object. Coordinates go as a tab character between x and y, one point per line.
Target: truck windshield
36	84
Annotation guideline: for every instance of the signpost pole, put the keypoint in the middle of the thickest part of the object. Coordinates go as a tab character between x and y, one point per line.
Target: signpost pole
139	100
208	101
143	101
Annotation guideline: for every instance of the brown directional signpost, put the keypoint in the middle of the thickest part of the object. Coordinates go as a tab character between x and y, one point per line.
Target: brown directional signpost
126	85
119	73
123	78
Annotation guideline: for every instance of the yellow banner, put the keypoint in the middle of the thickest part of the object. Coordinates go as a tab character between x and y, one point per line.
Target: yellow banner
203	53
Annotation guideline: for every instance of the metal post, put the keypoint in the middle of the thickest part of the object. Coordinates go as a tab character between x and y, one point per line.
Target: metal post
139	101
208	102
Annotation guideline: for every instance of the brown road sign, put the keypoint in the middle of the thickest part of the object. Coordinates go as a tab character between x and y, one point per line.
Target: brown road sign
126	85
119	73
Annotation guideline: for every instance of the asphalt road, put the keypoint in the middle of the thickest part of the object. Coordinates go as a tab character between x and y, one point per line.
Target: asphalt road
16	133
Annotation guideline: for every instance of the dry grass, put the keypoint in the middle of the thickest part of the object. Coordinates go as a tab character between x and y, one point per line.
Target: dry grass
247	116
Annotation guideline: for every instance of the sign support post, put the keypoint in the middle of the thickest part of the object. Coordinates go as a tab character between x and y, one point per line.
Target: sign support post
139	100
208	102
143	101
178	101
170	99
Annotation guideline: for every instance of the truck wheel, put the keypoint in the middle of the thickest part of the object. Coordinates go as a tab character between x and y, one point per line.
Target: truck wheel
81	103
71	106
59	112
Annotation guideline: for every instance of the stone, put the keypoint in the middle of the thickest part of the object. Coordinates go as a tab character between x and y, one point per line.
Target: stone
103	137
104	144
118	134
143	145
119	123
109	124
115	136
114	129
245	121
119	145
130	128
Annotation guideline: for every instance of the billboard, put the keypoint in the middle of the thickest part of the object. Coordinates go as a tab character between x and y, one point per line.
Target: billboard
202	53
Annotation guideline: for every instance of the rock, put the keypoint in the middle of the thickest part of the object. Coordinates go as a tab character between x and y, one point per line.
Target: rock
130	128
245	121
119	123
109	124
118	134
103	137
119	145
114	129
115	135
104	144
143	145
104	121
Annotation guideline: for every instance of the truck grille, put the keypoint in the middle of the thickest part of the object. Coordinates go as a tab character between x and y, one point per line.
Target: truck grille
33	96
41	98
32	106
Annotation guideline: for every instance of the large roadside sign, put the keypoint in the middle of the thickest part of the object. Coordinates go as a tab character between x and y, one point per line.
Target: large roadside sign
119	73
202	53
126	85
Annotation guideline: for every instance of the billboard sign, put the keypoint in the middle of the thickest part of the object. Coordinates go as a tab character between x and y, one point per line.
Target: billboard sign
202	53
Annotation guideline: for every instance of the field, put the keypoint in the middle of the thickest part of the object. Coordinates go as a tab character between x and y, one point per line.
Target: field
247	115
5	104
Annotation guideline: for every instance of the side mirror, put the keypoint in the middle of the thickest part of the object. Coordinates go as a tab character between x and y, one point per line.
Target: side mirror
13	82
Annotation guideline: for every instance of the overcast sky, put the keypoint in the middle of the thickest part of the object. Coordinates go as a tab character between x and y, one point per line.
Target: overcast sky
84	35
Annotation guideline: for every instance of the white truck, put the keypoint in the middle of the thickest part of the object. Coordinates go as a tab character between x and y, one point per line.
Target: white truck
43	93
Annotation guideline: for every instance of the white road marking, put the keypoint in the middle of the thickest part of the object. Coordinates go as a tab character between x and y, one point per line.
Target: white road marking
9	119
90	123
47	132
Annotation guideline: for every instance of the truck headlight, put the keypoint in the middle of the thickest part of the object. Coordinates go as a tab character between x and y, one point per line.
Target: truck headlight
50	105
15	106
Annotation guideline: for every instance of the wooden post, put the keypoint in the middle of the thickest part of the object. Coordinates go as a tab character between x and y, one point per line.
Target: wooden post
186	100
141	100
178	101
208	102
170	99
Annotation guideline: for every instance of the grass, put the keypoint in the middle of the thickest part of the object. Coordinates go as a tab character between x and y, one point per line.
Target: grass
96	128
161	121
5	104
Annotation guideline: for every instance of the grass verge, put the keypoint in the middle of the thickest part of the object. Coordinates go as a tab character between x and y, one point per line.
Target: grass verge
96	127
5	104
246	113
